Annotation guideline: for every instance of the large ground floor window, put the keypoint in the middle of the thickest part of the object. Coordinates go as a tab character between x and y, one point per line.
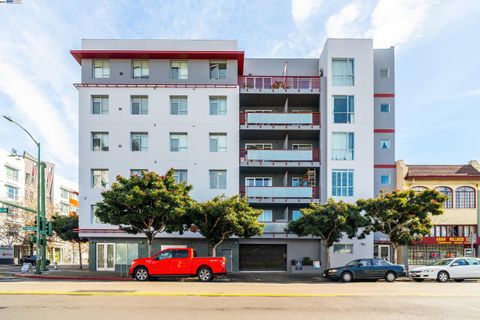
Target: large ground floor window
428	253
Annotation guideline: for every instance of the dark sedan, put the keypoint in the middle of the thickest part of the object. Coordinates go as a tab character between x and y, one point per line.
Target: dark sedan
32	260
366	269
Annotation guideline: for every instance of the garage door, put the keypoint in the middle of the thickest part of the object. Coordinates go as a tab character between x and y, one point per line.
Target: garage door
263	257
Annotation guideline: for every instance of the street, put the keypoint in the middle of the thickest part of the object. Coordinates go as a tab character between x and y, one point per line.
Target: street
47	299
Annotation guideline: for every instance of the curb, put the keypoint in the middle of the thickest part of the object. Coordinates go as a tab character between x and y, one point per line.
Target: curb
72	278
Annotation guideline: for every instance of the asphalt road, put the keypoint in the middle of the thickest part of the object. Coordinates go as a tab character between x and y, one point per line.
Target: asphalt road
48	299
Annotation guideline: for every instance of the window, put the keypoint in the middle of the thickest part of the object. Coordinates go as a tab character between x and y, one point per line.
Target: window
342	146
218	69
266	216
418	189
295	182
11	173
101	69
343	248
95	219
297	146
139	105
385	108
64	193
218	142
99	178
258	146
125	253
384	72
178	142
178	105
464	197
138	172
140	69
258	182
296	214
343	109
448	204
139	141
99	141
64	208
180	175
218	179
165	255
342	72
99	104
473	262
342	183
385	179
385	144
218	106
12	192
179	254
179	70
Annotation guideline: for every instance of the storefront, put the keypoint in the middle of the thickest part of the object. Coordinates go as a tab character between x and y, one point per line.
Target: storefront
434	248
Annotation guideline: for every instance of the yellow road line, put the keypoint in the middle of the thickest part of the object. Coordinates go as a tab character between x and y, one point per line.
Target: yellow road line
223	294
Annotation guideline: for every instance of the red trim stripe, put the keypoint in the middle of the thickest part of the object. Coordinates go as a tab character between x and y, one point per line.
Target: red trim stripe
384	95
384	130
385	166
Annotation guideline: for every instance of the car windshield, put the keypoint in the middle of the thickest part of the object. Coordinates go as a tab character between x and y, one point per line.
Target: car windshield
441	262
352	263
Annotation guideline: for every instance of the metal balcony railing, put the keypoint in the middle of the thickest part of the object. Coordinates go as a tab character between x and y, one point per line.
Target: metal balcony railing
281	192
312	118
279	155
283	83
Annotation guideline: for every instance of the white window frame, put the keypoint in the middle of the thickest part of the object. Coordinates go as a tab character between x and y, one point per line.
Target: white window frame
343	248
340	190
218	184
262	145
103	178
102	136
142	142
301	146
142	102
263	179
259	111
177	175
182	105
104	101
336	77
15	194
143	67
11	173
219	75
389	181
138	172
182	138
103	66
220	107
262	217
383	69
349	153
182	65
350	113
215	136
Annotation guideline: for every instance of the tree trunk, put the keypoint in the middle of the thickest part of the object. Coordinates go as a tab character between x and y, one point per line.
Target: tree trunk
149	242
394	246
213	253
80	254
327	255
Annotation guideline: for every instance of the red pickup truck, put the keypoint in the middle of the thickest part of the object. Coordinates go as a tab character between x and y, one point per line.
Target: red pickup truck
177	262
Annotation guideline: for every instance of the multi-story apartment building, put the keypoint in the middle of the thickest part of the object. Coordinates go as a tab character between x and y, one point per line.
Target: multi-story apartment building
453	231
282	132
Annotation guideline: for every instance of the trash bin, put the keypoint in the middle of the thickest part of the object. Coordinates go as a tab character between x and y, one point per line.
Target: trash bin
298	265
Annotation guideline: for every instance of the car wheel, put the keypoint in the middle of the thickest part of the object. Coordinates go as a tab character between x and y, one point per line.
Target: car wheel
418	280
459	280
205	274
141	274
443	276
390	276
347	277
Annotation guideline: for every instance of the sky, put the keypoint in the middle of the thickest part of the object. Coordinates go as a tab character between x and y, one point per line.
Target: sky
437	60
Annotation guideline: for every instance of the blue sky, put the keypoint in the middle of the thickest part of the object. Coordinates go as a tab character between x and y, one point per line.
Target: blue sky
437	61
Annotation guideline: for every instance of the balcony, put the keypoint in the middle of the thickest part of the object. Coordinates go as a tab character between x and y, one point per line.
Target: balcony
281	194
279	84
275	227
257	120
280	158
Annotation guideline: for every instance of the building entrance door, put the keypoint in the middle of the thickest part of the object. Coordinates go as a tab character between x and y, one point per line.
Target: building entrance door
383	252
105	257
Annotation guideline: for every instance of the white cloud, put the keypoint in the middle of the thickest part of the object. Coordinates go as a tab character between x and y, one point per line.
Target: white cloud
346	23
394	23
302	10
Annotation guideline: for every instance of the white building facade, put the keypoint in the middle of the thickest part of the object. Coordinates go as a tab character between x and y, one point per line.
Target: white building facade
281	132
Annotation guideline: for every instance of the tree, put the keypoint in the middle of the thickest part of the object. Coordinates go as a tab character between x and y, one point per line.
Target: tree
66	229
329	221
147	204
221	218
402	215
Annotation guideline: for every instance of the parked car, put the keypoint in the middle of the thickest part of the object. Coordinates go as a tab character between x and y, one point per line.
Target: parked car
442	270
32	260
179	263
373	269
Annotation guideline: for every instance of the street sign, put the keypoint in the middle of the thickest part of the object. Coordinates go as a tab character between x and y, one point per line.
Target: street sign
3	210
29	228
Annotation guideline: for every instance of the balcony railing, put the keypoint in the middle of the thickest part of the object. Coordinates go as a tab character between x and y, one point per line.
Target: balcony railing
312	118
281	192
281	83
279	155
275	227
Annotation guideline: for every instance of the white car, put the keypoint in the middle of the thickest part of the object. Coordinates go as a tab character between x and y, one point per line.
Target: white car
442	270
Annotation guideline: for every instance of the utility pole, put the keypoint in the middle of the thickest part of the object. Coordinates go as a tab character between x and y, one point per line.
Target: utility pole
40	192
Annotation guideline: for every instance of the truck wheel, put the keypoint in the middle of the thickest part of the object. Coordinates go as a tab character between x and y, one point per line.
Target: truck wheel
141	274
205	274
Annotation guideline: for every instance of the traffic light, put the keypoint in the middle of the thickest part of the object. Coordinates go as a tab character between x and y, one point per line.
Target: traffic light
49	228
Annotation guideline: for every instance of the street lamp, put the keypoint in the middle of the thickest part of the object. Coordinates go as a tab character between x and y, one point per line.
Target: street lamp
40	202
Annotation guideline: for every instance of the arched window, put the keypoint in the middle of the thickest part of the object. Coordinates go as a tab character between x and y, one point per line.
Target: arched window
465	197
419	189
448	204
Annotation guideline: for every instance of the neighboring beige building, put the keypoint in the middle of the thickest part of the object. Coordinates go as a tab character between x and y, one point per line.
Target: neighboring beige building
450	236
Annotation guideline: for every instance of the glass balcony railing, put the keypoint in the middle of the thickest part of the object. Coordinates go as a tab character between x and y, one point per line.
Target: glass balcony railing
275	227
281	192
279	83
312	118
279	155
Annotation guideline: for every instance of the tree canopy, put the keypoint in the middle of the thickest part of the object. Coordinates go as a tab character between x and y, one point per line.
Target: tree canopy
402	215
221	218
148	204
66	229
